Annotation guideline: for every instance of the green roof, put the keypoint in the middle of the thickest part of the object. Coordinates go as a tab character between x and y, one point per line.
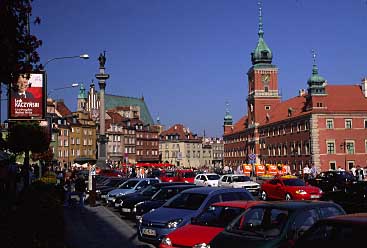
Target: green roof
112	101
82	94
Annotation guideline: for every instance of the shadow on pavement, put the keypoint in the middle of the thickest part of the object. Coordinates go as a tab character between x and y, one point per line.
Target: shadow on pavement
97	227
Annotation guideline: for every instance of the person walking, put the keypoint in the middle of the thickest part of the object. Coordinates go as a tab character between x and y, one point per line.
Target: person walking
80	187
359	173
306	172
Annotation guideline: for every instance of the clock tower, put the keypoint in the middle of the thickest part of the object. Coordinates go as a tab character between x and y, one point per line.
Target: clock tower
263	93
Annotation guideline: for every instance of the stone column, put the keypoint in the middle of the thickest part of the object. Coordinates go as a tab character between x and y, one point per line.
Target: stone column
102	139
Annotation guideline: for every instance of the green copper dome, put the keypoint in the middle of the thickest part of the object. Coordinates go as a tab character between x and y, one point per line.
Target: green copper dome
82	94
228	117
315	77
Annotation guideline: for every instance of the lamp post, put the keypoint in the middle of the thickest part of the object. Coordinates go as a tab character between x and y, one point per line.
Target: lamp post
81	56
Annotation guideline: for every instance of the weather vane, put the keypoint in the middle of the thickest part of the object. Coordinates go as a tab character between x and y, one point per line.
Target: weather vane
313	56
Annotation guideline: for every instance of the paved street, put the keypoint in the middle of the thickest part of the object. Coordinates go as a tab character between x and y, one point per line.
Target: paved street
98	227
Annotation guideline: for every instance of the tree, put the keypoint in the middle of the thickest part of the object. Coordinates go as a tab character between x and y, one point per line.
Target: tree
17	46
26	137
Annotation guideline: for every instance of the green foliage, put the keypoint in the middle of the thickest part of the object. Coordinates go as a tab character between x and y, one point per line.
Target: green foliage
17	46
27	136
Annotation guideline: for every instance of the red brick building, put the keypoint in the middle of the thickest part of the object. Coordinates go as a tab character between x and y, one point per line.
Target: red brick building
325	125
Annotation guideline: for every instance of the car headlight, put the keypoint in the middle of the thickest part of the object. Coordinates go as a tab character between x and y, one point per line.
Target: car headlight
202	245
320	191
174	223
98	191
166	241
137	204
301	192
186	181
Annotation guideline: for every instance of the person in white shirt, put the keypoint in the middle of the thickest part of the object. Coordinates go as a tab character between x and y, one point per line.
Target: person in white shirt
306	172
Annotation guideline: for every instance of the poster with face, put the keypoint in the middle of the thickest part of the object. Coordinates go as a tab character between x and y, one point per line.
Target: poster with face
27	97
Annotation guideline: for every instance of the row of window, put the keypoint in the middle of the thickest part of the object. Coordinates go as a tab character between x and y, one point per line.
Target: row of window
76	152
348	123
346	147
76	141
147	152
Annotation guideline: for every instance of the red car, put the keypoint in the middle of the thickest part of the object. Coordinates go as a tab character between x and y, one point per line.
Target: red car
186	176
207	225
167	176
289	188
110	173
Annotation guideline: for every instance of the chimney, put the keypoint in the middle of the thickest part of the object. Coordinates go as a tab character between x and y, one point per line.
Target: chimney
364	86
301	92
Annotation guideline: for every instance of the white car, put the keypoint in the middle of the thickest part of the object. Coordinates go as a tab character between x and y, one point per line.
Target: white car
207	179
239	181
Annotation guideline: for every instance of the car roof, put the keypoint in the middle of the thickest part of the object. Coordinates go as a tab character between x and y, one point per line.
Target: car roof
207	174
296	205
234	175
186	185
141	179
358	218
209	190
237	204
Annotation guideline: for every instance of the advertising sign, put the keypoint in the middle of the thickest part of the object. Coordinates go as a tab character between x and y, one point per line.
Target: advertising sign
27	97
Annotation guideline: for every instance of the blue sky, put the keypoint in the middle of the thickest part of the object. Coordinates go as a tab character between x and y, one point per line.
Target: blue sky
188	57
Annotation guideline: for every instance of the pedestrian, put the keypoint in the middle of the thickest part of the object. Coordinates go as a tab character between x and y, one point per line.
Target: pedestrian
306	172
80	187
359	173
353	170
313	171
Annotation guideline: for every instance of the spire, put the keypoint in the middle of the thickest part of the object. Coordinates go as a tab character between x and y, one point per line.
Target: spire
316	82
228	116
261	31
158	120
262	53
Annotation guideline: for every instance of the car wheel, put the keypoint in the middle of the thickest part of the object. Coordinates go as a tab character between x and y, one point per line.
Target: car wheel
263	196
334	188
288	197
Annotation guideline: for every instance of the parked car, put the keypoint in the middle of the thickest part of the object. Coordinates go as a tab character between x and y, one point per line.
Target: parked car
127	205
239	181
161	197
208	224
179	210
274	224
333	180
167	176
207	179
289	188
336	231
186	176
110	173
130	186
112	183
353	200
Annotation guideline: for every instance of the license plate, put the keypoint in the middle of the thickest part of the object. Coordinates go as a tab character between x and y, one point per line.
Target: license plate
314	196
126	210
148	232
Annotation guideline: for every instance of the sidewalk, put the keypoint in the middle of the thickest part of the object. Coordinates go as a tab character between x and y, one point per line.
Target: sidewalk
91	227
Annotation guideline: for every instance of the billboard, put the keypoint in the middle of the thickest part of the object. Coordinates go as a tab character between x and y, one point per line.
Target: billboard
27	97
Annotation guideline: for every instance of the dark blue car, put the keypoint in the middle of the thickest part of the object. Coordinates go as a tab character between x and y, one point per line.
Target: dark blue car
179	210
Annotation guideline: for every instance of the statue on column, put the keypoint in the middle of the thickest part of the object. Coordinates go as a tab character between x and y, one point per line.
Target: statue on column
102	59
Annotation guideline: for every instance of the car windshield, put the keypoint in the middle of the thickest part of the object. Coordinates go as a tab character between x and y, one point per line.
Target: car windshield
213	177
129	184
189	174
113	183
265	222
150	190
169	174
240	179
217	216
190	201
294	182
164	194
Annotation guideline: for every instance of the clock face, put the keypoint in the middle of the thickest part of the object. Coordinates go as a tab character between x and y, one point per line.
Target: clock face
265	78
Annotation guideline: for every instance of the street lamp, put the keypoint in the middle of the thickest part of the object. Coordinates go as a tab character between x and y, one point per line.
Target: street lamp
73	85
82	56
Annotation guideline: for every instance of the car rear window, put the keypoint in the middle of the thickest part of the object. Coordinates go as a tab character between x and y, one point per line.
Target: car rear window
240	179
189	174
190	201
213	177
